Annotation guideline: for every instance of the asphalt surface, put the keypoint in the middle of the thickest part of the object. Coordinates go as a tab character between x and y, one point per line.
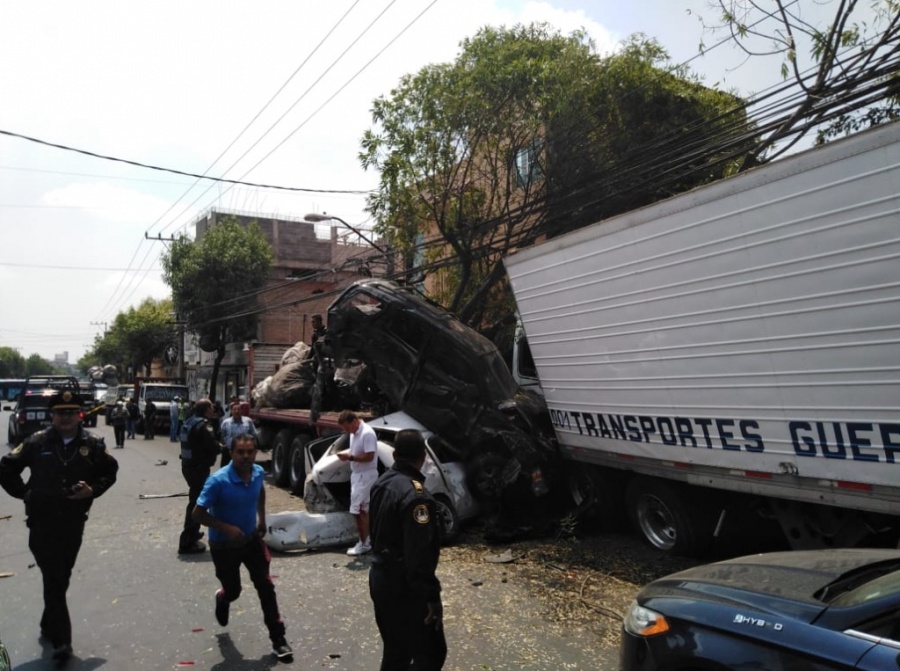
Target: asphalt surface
137	605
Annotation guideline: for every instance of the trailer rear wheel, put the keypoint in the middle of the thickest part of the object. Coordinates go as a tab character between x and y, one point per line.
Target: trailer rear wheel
297	463
281	449
668	517
265	436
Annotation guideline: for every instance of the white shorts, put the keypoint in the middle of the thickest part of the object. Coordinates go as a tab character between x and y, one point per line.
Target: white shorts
360	486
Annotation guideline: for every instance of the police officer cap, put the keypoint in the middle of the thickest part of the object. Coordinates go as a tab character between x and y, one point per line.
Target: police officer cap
409	445
65	399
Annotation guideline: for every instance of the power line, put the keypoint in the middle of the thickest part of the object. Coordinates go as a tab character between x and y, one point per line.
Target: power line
175	171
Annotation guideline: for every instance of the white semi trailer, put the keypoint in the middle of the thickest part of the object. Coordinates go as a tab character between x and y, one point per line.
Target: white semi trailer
737	345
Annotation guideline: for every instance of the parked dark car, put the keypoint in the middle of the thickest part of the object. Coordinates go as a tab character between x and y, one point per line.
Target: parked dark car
31	413
804	611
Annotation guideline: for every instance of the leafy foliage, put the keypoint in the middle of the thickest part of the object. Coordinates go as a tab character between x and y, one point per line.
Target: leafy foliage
136	337
214	282
845	67
523	135
14	365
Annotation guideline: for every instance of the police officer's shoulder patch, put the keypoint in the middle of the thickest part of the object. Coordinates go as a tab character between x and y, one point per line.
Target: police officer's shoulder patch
421	514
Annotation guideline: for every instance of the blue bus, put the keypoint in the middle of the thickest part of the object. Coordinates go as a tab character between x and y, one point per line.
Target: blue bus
10	389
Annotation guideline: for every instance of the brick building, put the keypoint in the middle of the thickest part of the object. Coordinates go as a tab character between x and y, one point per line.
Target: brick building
312	263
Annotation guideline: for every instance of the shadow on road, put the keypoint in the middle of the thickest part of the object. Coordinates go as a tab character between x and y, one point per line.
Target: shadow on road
233	660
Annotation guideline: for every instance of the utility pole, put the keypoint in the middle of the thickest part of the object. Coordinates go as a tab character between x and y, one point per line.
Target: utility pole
103	324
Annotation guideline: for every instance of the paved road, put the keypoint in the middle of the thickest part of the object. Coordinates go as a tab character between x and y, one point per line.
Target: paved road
136	605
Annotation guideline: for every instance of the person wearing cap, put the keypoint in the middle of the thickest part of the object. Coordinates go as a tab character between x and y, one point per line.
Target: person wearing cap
200	447
69	468
406	545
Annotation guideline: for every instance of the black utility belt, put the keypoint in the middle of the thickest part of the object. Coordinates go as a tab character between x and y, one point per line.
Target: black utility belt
386	560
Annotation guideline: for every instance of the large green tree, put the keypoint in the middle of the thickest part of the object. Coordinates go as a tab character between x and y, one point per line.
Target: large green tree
524	134
12	364
136	337
38	365
215	282
840	60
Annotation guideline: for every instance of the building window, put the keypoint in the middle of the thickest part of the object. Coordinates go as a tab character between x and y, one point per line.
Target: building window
528	166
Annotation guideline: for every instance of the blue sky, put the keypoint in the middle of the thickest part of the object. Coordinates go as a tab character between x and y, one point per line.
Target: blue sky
175	83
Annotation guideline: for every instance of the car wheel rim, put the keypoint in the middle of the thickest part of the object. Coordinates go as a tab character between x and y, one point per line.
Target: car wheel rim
657	523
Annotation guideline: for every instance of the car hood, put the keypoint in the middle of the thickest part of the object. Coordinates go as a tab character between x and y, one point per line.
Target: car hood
778	582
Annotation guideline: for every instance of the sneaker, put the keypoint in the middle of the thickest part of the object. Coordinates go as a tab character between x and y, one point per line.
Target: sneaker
360	549
221	608
282	651
194	549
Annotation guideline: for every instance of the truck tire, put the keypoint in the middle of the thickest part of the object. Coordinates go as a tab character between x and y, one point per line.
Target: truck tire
448	518
281	449
266	437
668	517
598	496
297	464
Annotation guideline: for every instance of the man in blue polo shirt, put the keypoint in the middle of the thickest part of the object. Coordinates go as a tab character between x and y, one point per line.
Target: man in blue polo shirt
233	506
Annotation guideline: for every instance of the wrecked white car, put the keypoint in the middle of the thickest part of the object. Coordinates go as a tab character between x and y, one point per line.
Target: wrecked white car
326	522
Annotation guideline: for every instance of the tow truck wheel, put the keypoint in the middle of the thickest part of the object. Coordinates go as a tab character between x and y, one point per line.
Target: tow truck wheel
668	518
448	518
297	464
281	449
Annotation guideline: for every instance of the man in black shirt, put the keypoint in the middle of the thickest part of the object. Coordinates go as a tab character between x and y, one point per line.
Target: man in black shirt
406	541
200	447
69	468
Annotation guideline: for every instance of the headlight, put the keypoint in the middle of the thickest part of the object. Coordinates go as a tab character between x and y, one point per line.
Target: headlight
640	621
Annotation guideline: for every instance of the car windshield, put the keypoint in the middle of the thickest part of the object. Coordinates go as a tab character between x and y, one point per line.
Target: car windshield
871	582
157	394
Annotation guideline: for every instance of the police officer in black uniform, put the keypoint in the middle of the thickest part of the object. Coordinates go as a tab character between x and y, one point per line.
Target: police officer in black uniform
406	544
200	447
69	468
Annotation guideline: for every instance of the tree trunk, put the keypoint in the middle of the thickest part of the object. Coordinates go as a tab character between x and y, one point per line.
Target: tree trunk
214	377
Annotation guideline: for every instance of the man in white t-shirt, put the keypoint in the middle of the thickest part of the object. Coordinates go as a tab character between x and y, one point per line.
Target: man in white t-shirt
363	474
